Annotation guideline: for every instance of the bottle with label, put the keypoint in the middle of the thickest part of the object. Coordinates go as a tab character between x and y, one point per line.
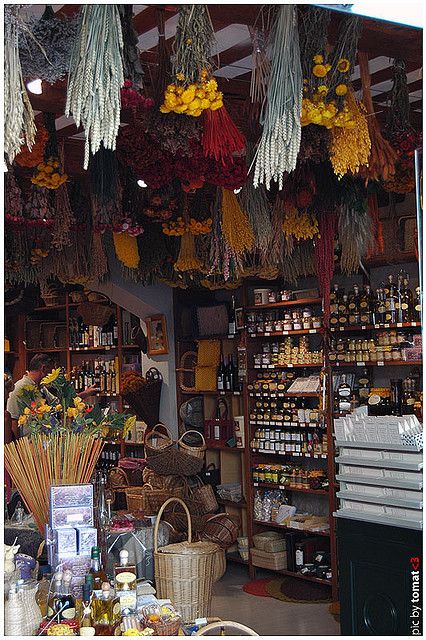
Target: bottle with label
391	301
64	602
417	306
232	324
99	575
43	589
407	302
86	625
221	374
365	306
343	311
344	395
115	331
125	583
353	306
364	387
334	306
380	315
106	613
227	377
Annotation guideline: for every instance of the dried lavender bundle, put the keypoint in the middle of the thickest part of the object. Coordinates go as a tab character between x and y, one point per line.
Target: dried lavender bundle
355	233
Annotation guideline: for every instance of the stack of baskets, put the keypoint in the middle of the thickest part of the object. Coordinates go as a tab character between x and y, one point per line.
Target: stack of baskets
269	550
165	458
184	572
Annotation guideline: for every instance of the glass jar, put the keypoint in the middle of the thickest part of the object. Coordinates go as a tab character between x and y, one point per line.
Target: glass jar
393	338
316	322
396	353
307	323
285	295
272	297
387	353
307	312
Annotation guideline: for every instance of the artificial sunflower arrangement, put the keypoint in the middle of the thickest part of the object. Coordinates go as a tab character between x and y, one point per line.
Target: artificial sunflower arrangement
68	414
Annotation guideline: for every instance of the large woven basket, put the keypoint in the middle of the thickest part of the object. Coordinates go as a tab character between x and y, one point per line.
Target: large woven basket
157	442
146	402
202	499
219	566
148	499
95	313
222	529
270	541
174	462
184	571
194	450
186	371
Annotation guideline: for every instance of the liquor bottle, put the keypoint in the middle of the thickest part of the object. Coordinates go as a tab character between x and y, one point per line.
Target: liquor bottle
97	376
125	583
106	613
43	589
408	397
86	625
417	306
365	306
64	602
99	575
343	311
353	306
113	380
399	295
227	376
364	387
407	302
221	374
344	395
334	298
232	324
232	373
396	396
380	314
391	301
115	332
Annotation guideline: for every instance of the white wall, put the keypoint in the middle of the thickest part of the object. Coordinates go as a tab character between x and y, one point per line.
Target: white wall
143	301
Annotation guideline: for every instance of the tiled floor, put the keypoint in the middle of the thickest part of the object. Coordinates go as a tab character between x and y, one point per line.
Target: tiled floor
268	616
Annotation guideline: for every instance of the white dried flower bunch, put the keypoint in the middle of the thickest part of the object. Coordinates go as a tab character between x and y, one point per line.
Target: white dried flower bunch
96	77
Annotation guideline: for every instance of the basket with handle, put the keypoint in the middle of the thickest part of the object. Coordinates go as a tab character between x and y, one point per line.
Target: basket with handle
157	442
202	498
148	499
186	371
222	529
146	401
194	450
184	571
219	566
175	462
176	517
219	429
162	628
95	313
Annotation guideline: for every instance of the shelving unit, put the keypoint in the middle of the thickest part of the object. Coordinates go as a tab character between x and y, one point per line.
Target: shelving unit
60	315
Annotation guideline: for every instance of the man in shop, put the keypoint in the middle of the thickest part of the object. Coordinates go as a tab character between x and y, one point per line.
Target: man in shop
40	366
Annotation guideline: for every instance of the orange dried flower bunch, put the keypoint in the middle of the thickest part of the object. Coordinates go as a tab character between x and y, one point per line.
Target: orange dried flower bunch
195	227
27	158
48	175
193	98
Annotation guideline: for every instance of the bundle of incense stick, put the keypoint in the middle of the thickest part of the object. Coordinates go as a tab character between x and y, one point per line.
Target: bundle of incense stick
37	463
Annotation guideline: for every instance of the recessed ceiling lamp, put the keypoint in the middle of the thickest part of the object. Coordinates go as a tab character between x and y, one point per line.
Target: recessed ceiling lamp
142	184
237	190
34	86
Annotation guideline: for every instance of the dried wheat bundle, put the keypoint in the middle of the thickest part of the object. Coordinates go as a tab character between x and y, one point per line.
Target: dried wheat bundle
96	77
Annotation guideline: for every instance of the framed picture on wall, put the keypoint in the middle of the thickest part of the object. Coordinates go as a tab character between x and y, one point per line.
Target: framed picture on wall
157	335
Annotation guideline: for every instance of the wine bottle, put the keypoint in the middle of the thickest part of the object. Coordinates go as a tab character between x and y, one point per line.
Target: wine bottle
115	332
417	306
228	376
64	602
344	395
407	302
232	324
353	307
221	374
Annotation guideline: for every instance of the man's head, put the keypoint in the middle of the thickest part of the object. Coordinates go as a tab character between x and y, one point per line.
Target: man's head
40	366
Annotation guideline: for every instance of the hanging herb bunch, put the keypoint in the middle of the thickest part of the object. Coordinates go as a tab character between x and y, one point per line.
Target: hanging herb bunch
105	190
45	46
19	125
280	141
350	149
96	77
355	226
261	66
27	158
226	263
132	92
64	217
402	136
327	82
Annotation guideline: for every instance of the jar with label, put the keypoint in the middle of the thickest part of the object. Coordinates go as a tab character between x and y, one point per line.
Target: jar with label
316	322
396	353
307	323
393	339
272	297
287	322
285	295
269	326
307	312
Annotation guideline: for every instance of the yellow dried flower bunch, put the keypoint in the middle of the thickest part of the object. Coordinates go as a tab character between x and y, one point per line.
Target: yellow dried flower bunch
320	107
193	98
126	249
187	259
301	225
195	227
176	228
350	150
48	176
236	227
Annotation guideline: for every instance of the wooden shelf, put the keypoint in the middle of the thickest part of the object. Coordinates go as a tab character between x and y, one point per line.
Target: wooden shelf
230	503
292	332
274	525
315	456
286	303
92	349
11	353
284	394
43	350
237	394
53	307
272	367
225	448
271	485
131	346
294	574
384	363
217	337
377	327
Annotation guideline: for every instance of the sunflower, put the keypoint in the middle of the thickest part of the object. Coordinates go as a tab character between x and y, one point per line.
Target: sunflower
319	71
323	89
318	58
341	90
343	65
51	377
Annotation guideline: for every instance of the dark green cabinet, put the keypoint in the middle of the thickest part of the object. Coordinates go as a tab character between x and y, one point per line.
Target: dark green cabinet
379	579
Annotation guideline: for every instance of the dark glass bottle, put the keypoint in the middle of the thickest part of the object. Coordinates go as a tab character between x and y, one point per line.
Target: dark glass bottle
221	374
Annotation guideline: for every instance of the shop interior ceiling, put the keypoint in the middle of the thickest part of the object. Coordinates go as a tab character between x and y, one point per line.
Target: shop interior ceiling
381	40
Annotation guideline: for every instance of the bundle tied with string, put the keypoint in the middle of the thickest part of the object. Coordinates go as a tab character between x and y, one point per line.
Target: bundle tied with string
355	227
105	188
236	227
221	139
324	256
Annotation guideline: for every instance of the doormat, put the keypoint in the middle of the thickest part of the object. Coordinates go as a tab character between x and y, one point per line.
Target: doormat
258	587
301	591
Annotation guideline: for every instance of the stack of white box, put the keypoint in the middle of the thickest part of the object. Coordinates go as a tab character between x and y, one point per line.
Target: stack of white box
380	469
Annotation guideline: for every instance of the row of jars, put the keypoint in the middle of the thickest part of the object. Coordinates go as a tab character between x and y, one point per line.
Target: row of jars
286	475
368	350
293	441
294	357
278	321
284	412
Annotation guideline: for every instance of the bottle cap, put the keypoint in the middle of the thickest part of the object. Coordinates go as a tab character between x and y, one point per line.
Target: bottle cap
45	569
95	552
106	586
124	555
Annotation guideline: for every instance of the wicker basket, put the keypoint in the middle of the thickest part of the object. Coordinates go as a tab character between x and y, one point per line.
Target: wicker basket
269	541
194	450
178	520
161	628
205	378
208	353
117	479
174	462
94	313
203	499
146	402
149	500
157	442
186	371
184	571
222	529
277	561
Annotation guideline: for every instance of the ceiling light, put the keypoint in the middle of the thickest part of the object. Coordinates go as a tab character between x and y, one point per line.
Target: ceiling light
142	184
237	190
35	86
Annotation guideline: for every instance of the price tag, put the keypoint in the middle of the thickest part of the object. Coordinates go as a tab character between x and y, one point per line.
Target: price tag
237	393
341	328
363	327
386	326
273	395
290	366
266	422
257	366
285	333
377	326
221	393
271	366
360	364
296	455
255	484
315	455
332	329
324	455
281	486
399	324
414	324
266	334
279	424
312	330
86	348
293	424
380	364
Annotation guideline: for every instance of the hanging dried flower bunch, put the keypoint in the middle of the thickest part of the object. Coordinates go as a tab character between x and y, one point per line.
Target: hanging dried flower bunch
96	77
13	198
280	141
132	66
225	262
350	149
256	205
63	215
45	46
324	256
126	249
261	64
27	158
354	228
301	225
105	189
19	125
236	227
381	165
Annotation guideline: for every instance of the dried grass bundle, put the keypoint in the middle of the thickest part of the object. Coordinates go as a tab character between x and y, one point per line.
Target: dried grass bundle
236	227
